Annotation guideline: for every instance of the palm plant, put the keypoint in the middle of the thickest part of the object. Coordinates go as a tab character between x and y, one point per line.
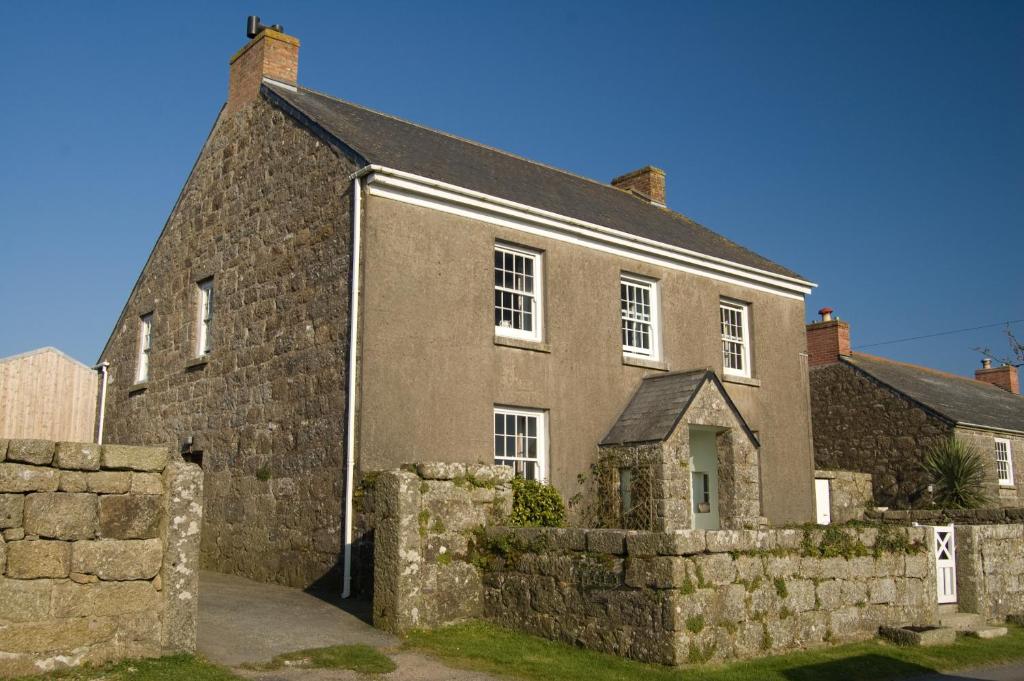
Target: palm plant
957	474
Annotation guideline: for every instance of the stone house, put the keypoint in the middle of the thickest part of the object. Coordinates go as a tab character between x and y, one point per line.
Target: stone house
338	291
878	416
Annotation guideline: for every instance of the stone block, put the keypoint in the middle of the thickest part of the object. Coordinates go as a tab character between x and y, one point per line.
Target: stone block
12	508
714	569
53	636
607	541
37	452
17	477
659	572
109	482
134	458
733	540
3	555
800	594
882	590
440	470
79	456
3	449
117	559
25	600
749	568
103	599
566	538
684	542
788	540
130	516
829	594
919	636
72	481
853	592
490	475
61	515
14	533
38	559
782	566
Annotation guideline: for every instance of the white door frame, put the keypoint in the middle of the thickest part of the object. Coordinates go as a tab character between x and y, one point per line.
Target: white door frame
944	552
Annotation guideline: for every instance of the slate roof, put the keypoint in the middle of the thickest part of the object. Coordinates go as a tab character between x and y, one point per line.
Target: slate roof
388	141
957	398
658	405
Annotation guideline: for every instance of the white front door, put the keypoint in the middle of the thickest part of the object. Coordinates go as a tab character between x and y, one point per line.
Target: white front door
823	500
945	563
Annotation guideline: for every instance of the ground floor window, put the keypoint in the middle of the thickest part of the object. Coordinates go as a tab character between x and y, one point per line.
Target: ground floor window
1004	462
520	441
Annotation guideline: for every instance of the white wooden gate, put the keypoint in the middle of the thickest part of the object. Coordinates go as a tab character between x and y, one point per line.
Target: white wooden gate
945	563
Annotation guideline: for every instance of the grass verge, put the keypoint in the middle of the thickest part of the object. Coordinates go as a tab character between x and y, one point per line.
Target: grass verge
359	658
486	647
171	668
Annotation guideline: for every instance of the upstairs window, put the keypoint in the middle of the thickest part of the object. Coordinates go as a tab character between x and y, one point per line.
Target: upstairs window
517	283
735	338
205	317
520	442
638	307
145	345
1004	462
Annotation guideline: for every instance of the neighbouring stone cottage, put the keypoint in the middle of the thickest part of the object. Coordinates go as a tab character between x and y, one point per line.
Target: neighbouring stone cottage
338	291
878	416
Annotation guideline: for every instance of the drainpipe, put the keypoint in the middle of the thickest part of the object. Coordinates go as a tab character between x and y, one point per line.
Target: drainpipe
353	346
102	368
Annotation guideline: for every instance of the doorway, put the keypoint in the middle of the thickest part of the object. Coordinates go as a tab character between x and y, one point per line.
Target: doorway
823	500
704	478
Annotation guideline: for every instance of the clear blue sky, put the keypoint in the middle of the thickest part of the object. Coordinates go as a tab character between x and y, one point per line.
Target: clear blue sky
874	147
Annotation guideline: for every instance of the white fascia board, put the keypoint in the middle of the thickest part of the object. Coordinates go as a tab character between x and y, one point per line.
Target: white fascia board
417	190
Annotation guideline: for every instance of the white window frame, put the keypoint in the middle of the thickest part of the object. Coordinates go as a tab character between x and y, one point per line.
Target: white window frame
654	323
541	460
744	311
145	347
204	317
536	298
1008	448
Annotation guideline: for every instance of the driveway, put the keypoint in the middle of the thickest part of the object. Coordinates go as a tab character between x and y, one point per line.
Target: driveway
245	622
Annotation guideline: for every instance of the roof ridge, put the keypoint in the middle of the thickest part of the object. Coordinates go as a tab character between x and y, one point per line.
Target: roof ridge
603	185
938	372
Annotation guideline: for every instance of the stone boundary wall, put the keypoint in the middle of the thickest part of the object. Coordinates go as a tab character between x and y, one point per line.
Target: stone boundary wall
98	555
990	570
426	517
972	516
692	596
850	494
442	556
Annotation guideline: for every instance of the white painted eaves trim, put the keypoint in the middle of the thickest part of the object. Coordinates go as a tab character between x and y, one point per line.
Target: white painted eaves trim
426	192
989	429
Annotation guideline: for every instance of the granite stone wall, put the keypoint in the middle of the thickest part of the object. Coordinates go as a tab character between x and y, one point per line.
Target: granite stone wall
850	494
266	214
98	555
692	596
442	556
862	426
990	569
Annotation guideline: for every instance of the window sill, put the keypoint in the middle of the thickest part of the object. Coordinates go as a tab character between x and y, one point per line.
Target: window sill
197	362
139	387
741	380
1007	487
644	362
522	344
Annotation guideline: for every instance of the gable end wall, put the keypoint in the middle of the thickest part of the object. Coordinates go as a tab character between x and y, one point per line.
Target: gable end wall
859	425
266	212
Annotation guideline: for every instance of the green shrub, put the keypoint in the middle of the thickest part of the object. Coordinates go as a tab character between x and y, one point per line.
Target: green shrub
535	504
957	473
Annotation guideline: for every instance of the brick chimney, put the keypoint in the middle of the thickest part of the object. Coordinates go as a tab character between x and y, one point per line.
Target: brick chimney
270	54
1004	377
648	183
827	339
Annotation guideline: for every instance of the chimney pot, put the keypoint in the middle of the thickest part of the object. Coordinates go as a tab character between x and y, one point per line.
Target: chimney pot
826	314
647	182
270	54
986	363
